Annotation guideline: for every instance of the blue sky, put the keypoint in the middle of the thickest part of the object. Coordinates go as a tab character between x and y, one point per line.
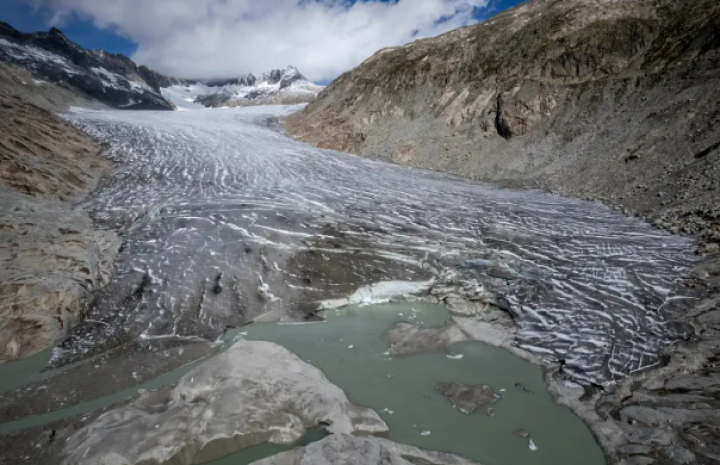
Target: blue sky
23	17
217	38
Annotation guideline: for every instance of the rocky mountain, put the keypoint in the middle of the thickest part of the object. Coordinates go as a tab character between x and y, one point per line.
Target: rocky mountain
606	99
106	77
276	87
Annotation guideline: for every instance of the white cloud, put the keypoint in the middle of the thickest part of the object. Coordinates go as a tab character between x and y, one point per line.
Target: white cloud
225	38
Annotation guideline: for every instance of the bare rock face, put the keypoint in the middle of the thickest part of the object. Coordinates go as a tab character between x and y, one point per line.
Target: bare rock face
112	79
51	259
409	339
468	398
255	392
353	450
51	256
606	99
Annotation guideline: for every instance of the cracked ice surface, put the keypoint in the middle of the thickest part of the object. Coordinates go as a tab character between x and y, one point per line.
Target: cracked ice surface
225	219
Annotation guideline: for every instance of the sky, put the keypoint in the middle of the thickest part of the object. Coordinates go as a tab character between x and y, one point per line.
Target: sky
207	39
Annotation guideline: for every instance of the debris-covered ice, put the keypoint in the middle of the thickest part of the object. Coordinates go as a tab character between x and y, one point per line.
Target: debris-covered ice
202	192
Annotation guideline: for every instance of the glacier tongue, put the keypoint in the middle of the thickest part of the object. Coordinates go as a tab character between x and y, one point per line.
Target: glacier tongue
226	218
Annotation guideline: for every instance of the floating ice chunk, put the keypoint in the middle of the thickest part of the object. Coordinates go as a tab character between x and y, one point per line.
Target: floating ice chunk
351	346
455	357
502	390
425	433
532	446
388	411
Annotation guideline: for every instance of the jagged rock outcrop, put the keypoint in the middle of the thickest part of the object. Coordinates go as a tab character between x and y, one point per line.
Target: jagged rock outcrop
606	99
353	450
51	256
256	392
468	398
409	339
158	81
109	78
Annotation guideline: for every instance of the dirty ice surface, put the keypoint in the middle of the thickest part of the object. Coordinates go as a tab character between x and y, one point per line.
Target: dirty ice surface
225	217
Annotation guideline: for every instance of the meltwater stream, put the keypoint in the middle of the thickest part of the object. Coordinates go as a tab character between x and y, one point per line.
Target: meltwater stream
225	218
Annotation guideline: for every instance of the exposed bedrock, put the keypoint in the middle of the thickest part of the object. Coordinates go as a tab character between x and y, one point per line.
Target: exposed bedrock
611	100
110	78
468	398
256	392
52	257
408	338
353	450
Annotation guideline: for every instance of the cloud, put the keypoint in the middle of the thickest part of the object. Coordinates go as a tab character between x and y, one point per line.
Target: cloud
227	38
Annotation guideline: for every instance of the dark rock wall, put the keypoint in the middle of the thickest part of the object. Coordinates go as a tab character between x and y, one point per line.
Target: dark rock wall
77	72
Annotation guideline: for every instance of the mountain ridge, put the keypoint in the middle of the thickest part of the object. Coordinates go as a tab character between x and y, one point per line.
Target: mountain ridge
112	79
117	81
278	86
565	95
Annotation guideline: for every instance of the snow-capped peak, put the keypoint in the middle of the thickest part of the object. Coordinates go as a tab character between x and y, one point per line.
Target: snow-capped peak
278	86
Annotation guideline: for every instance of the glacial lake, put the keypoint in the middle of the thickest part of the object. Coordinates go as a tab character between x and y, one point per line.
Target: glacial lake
349	348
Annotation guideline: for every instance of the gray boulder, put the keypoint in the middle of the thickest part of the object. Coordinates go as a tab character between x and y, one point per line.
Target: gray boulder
256	392
410	339
353	450
468	398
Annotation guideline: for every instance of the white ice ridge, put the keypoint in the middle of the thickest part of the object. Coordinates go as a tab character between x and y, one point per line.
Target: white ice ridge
378	293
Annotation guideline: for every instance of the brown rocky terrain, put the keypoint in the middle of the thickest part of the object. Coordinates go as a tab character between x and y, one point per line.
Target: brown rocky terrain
51	256
602	99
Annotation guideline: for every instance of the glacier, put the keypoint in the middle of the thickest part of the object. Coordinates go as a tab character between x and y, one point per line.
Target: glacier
226	218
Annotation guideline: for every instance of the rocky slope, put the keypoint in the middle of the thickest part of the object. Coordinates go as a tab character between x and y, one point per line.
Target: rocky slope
105	77
51	256
607	99
277	87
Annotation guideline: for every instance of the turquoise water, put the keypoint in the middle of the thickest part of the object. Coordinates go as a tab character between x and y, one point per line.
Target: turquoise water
350	350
